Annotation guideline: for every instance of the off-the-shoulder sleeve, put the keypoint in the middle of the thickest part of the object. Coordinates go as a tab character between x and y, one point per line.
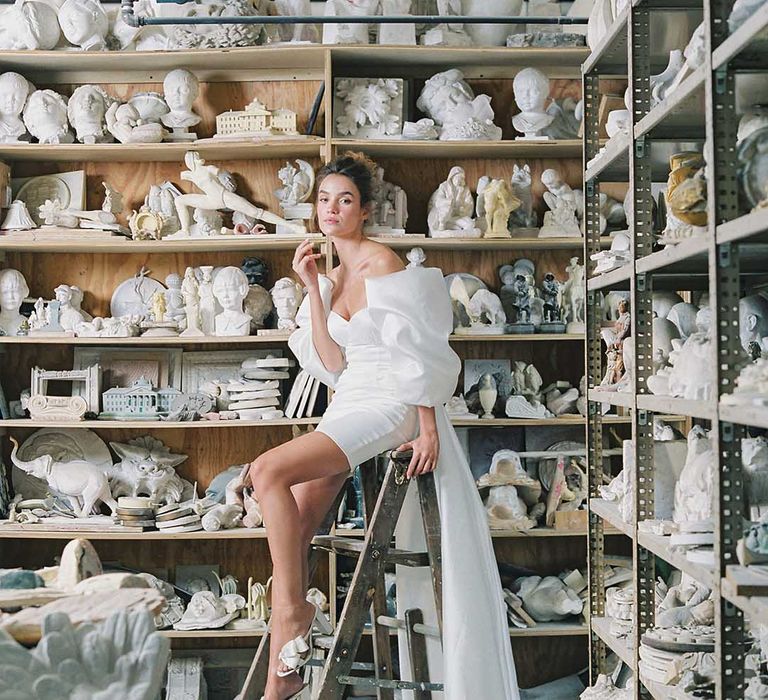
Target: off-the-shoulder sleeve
413	313
300	341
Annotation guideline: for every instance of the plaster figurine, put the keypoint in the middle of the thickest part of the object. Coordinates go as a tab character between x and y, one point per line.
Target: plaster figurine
449	33
484	310
552	293
298	183
622	327
125	124
205	611
421	130
296	33
13	291
520	295
17	218
86	110
287	296
343	32
754	118
70	315
368	107
416	257
686	198
546	599
14	91
29	25
222	517
397	34
190	292
574	297
456	407
230	289
531	88
561	219
389	212
499	202
218	192
506	510
449	100
523	217
207	300
45	116
618	255
753	321
451	207
694	491
84	23
83	484
180	90
487	393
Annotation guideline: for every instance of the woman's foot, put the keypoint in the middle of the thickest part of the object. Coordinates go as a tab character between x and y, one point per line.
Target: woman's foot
287	624
282	688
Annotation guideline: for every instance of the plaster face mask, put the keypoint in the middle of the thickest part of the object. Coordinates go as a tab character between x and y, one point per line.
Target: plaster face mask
13	94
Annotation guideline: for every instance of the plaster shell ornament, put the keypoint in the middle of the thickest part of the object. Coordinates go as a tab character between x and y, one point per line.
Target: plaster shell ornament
13	291
506	468
694	491
574	298
286	296
753	321
448	33
29	25
45	116
506	510
451	207
449	100
531	88
686	198
368	108
421	130
14	91
618	255
150	105
397	34
389	211
484	310
218	192
147	467
416	257
17	218
548	599
346	32
296	33
180	90
84	24
83	484
230	287
753	173
125	124
561	219
87	110
205	611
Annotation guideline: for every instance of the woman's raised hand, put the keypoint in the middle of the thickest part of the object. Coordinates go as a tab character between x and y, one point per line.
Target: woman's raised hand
304	263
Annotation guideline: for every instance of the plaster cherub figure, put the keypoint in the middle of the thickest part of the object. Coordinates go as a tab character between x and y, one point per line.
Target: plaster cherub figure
84	23
13	291
230	289
531	88
218	192
180	90
561	219
87	110
451	206
14	91
45	115
287	296
29	25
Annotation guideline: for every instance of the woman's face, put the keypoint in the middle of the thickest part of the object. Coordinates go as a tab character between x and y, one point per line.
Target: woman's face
339	211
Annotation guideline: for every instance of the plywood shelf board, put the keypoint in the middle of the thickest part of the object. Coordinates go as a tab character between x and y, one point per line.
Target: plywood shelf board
614	398
153	425
659	545
601	627
609	512
401	148
615	278
670	404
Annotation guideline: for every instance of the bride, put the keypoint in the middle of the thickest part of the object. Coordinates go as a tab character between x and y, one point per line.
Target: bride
377	334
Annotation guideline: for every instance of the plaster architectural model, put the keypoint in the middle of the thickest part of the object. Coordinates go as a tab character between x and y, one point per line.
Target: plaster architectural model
368	108
45	116
450	102
87	110
84	24
180	90
561	219
451	207
13	291
449	33
29	25
14	91
257	122
531	88
230	287
286	296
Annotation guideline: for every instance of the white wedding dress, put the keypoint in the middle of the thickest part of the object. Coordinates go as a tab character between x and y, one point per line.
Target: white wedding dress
398	357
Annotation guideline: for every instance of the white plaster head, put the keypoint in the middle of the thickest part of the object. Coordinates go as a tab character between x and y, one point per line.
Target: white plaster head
551	179
13	291
442	93
180	89
45	116
287	296
753	319
193	159
14	91
86	110
29	25
230	287
531	88
173	281
84	23
457	177
63	294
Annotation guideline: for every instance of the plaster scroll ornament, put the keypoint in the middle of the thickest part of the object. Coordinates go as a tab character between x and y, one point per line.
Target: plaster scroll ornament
562	217
547	599
618	255
14	91
126	125
218	192
13	291
180	90
286	296
574	297
686	198
397	34
84	24
451	207
346	32
448	33
531	89
484	310
17	218
369	107
694	491
230	287
449	101
296	33
29	25
87	110
506	510
45	116
660	83
416	257
82	483
421	130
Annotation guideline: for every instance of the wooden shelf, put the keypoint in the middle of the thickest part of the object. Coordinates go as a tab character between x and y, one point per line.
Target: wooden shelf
565	243
755	607
614	398
744	227
659	545
613	163
615	278
142	341
522	338
211	634
620	646
689	256
669	404
155	425
499	422
610	513
551	629
36	532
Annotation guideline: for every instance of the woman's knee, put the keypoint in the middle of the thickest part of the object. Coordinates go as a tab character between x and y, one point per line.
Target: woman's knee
263	472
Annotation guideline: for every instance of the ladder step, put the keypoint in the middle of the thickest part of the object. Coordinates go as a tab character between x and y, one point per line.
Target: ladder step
352	548
398	624
370	682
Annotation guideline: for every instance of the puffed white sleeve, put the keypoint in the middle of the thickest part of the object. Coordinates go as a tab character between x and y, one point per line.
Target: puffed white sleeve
413	313
300	341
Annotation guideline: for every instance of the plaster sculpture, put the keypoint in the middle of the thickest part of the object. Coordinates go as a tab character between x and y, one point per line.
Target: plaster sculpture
753	321
29	25
531	88
451	207
567	116
753	172
449	100
518	296
368	108
421	130
180	90
416	257
751	385
506	510
13	291
86	110
397	34
296	33
258	304
525	398
230	287
523	217
573	297
84	24
683	315
449	33
487	394
208	304
286	296
664	332
14	91
686	198
217	36
695	53
547	599
506	468
498	203
456	407
53	213
70	313
45	116
741	11
663	301
344	32
754	118
618	255
147	467
298	185
490	34
694	491
484	310
82	483
17	218
604	689
561	219
190	291
389	212
126	125
205	611
218	192
174	298
552	294
660	83
684	379
222	517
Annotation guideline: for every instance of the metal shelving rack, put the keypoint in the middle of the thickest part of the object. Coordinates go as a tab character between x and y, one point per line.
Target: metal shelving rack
721	263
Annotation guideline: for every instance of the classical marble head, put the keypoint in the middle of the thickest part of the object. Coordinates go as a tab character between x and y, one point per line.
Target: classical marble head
14	90
13	291
531	88
180	90
45	116
442	93
86	110
753	320
286	295
230	287
84	23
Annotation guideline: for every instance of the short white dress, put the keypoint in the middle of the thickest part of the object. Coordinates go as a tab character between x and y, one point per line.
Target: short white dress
397	357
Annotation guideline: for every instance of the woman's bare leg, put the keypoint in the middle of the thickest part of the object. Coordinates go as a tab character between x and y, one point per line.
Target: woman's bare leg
308	457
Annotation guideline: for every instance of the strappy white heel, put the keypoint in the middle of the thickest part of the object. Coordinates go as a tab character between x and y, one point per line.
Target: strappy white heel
300	695
298	651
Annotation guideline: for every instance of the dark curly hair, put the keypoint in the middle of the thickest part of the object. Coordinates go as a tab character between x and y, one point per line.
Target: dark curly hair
357	167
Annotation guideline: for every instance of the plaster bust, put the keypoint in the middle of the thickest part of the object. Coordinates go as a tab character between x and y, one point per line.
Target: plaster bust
29	25
286	295
14	90
753	320
230	287
13	291
531	88
180	90
84	23
45	116
87	109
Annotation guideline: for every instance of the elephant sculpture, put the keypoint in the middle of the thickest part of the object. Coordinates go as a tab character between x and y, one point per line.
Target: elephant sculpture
82	483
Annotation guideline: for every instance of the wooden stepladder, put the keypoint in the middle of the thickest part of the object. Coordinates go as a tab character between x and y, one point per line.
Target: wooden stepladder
367	594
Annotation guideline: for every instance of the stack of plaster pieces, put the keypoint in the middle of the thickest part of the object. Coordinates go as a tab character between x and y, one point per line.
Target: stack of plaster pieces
606	689
534	599
256	395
